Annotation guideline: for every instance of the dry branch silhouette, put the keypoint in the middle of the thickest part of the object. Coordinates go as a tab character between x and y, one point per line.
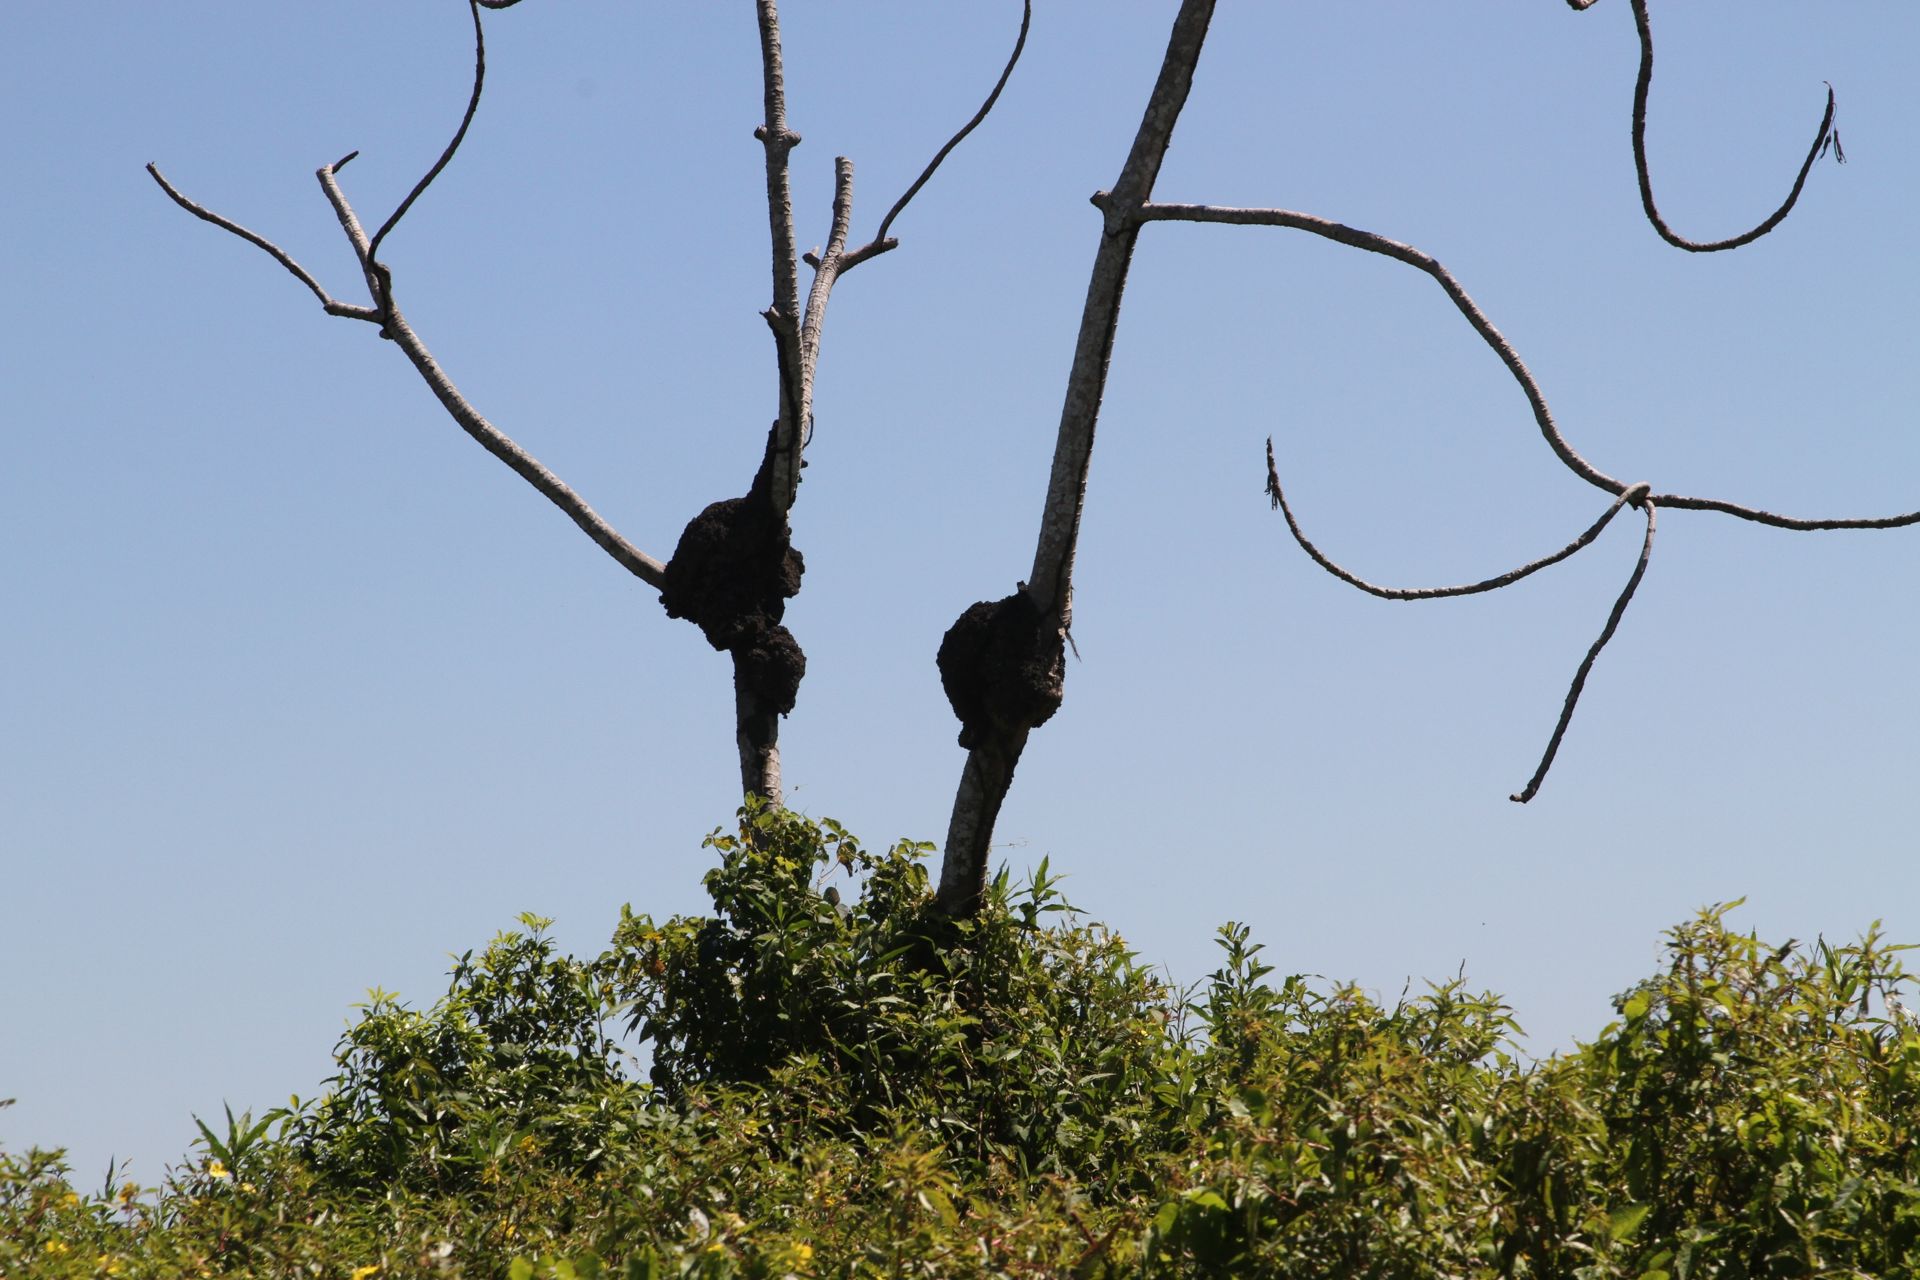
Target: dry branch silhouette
1638	495
746	567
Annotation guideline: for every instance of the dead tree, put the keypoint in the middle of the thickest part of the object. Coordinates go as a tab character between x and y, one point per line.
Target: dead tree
1003	661
1002	664
735	566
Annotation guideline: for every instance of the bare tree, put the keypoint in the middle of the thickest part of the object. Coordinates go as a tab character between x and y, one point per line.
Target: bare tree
734	567
1002	664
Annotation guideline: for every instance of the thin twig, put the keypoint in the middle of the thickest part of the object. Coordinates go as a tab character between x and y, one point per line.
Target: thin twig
881	242
1635	494
446	157
1758	516
827	268
1542	414
1640	90
1532	788
278	254
350	223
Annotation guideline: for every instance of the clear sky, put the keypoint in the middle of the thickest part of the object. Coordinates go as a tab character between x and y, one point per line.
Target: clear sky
303	692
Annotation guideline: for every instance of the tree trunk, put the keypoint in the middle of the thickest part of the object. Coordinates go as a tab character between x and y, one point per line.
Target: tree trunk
994	744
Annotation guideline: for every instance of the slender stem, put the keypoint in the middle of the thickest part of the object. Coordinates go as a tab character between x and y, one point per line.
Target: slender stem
881	242
1684	503
1620	604
459	135
827	269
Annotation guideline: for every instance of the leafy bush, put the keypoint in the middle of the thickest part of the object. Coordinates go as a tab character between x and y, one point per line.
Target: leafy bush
839	1083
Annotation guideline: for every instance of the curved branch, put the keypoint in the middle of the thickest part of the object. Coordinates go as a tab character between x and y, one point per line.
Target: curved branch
1367	240
446	157
1821	139
278	254
1532	788
881	242
1635	494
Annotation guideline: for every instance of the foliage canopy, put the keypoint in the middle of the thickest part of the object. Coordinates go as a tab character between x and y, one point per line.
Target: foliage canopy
865	1087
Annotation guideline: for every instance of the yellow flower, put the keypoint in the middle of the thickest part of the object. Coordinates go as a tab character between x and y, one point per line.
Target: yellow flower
108	1264
70	1200
217	1170
56	1247
802	1253
361	1273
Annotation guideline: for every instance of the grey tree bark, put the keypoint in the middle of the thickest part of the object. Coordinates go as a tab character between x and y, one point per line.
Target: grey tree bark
1003	664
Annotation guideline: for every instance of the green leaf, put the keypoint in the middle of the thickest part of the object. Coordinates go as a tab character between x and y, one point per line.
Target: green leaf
1622	1223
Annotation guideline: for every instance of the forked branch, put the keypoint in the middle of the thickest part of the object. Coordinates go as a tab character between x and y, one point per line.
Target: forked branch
1638	495
796	333
1635	495
384	312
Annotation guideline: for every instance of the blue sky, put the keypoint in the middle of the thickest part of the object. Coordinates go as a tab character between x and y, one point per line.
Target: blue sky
303	692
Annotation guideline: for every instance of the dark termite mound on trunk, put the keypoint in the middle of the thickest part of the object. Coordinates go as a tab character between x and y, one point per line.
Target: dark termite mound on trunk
731	575
1001	669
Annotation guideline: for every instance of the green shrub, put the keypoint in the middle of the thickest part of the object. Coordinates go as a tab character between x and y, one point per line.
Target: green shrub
830	1080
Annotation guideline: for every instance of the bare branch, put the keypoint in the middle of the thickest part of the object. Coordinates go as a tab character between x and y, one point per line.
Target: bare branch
1532	788
784	315
1635	494
523	464
278	254
328	175
1684	503
991	759
446	157
1821	139
827	269
881	243
1542	414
